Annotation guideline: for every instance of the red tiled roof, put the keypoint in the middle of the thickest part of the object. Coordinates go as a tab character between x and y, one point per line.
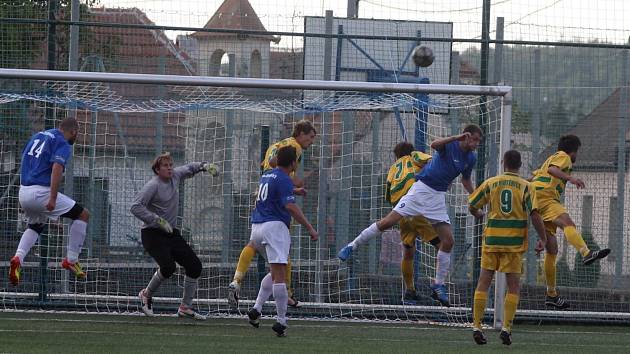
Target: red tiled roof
130	51
234	14
598	132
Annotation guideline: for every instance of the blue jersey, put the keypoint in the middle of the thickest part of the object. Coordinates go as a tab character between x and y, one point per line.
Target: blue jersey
446	165
274	192
44	149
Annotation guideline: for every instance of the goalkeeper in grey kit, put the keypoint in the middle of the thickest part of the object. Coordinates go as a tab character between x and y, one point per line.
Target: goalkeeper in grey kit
156	205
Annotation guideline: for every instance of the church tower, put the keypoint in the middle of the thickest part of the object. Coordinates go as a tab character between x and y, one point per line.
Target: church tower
251	52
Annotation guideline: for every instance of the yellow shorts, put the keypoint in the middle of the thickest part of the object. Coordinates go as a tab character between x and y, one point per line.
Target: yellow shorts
550	211
416	226
506	262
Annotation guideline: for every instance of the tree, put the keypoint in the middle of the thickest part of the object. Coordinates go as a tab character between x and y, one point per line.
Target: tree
556	122
22	44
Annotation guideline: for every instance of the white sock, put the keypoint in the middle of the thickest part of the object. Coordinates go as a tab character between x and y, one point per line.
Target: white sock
29	237
190	288
266	288
365	236
154	283
281	296
77	236
443	266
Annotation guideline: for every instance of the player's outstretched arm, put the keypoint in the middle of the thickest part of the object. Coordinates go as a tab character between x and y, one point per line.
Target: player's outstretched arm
191	169
211	168
558	173
55	180
297	214
439	144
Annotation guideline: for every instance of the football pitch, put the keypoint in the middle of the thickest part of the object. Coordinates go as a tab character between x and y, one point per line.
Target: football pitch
22	332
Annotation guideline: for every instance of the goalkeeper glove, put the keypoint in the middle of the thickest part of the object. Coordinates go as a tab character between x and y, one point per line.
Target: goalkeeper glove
164	225
211	168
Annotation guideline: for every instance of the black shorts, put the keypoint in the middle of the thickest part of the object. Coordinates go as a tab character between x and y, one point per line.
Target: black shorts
168	249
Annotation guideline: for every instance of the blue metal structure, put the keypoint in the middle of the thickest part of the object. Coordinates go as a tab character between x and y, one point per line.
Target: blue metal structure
399	75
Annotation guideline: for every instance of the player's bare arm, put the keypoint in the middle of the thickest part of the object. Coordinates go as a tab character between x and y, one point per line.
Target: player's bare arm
439	144
539	225
297	182
55	180
297	214
558	173
478	213
468	185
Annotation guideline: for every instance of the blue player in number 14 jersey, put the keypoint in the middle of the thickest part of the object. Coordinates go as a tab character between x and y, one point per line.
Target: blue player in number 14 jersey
42	151
43	160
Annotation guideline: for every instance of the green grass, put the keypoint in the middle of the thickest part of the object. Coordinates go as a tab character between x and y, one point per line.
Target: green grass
75	333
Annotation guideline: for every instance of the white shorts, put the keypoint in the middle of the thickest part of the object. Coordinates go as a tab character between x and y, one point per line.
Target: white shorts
426	201
272	240
33	200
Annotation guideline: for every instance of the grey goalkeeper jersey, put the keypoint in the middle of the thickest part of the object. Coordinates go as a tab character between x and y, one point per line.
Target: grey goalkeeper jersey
160	198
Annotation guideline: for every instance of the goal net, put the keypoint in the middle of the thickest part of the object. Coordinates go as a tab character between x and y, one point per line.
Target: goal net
126	120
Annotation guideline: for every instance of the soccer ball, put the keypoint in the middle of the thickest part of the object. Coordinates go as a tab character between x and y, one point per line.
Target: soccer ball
423	56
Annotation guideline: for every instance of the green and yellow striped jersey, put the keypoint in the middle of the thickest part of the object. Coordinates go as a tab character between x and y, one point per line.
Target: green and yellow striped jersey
401	175
547	186
510	202
273	149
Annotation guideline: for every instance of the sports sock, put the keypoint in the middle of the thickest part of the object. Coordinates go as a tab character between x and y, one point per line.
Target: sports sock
190	288
29	237
406	267
509	310
366	235
443	265
479	307
244	260
77	236
550	274
154	283
575	239
266	288
281	296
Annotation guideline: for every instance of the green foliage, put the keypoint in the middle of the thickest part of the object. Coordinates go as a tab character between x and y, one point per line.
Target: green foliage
521	120
23	44
573	81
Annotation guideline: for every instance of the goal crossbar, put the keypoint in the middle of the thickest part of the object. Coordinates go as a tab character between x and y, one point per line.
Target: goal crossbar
219	81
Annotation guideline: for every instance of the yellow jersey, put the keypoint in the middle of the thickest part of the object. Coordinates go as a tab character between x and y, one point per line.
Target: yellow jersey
510	202
401	175
273	149
548	187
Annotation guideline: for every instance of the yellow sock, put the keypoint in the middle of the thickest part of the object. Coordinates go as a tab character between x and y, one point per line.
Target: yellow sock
406	267
550	273
509	310
479	307
575	239
287	279
244	260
